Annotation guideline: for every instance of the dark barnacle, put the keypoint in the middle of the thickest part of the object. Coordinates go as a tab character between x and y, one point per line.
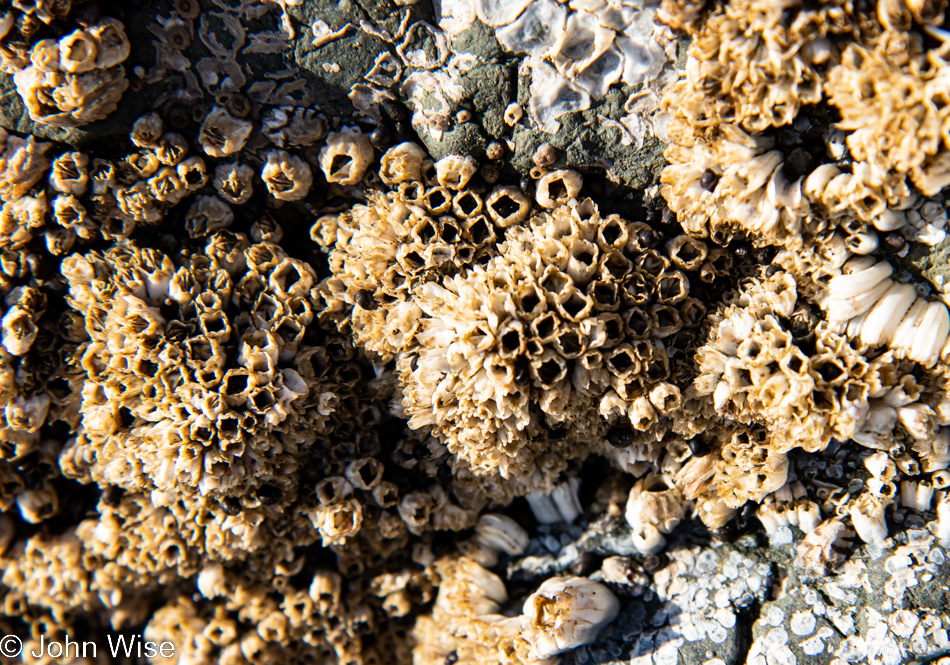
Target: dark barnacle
698	447
365	299
619	437
708	180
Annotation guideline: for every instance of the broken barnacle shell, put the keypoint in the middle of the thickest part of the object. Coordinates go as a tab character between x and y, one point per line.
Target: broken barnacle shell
402	163
565	613
454	171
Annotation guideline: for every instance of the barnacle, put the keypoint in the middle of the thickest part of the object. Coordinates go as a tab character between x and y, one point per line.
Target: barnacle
77	80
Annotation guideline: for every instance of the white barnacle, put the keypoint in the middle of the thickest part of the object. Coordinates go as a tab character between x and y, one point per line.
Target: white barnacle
565	613
346	156
287	177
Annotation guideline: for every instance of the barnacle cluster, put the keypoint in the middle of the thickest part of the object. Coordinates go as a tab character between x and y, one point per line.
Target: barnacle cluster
278	385
519	328
77	79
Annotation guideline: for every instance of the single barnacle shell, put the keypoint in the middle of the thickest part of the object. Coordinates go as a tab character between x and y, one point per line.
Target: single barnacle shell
686	252
207	215
38	505
565	613
112	44
402	163
211	581
234	182
868	519
77	52
654	506
221	134
557	188
166	186
287	177
171	149
454	171
70	173
19	330
147	130
346	156
507	206
825	547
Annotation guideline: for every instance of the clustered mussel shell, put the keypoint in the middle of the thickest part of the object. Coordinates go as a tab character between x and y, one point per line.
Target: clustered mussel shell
279	386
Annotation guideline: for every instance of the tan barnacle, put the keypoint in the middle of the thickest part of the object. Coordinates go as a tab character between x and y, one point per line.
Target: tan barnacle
171	149
70	173
193	173
112	44
206	215
565	613
147	130
39	504
402	163
19	330
77	52
166	186
346	156
287	177
825	547
71	214
654	507
222	134
454	171
234	182
557	188
867	517
137	202
22	163
507	206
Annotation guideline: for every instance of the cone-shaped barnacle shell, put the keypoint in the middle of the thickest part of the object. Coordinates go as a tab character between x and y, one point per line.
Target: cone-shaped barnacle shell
221	134
287	177
112	44
147	130
70	173
557	188
868	519
77	52
654	507
402	163
454	171
234	182
346	156
507	206
565	613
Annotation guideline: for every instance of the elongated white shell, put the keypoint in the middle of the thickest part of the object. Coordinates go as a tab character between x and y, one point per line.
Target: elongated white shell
860	280
932	335
886	315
